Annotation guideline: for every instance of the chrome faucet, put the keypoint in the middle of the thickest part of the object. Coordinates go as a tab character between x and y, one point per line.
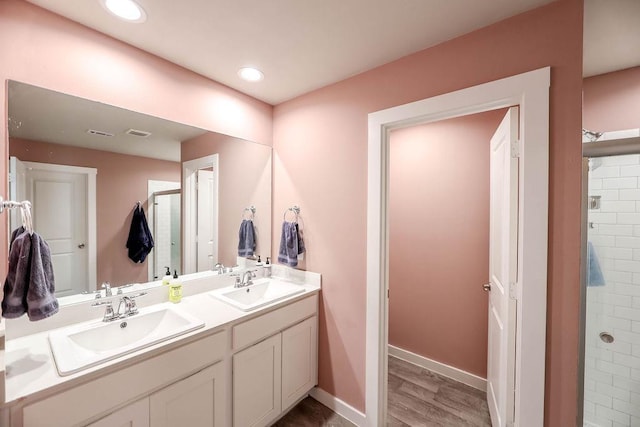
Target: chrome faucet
219	267
246	278
107	289
130	307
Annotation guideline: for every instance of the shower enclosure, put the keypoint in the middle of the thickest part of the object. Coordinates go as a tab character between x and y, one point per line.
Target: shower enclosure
611	284
166	233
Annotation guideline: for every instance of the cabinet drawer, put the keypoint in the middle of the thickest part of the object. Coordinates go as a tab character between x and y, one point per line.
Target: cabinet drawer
270	323
109	391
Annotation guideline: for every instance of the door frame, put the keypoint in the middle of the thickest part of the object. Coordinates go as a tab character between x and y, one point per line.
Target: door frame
530	91
190	208
90	174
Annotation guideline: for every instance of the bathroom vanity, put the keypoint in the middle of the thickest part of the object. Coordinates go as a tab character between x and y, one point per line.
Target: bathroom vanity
240	368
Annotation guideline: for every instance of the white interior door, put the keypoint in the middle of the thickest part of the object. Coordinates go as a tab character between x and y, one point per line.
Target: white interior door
503	270
206	258
60	215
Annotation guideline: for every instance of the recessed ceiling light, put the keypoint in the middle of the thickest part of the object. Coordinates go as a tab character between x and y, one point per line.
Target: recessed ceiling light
250	74
125	9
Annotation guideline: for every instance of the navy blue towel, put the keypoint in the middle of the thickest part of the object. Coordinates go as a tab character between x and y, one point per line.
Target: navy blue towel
594	272
140	241
246	238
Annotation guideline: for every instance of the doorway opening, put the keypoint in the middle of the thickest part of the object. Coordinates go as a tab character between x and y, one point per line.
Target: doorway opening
531	92
439	246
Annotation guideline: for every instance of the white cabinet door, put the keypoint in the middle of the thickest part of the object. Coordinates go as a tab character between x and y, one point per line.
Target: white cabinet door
196	401
257	383
134	415
299	361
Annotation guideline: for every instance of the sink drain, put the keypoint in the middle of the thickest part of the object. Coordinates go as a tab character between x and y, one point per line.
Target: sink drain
123	325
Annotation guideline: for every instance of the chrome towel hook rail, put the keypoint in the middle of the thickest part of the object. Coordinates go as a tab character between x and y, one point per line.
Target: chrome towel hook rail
252	212
296	211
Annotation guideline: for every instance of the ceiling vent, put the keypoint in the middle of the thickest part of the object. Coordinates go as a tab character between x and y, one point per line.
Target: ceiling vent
139	133
99	132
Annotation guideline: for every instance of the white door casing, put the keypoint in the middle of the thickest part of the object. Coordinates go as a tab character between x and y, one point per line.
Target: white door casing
63	210
530	91
503	264
205	243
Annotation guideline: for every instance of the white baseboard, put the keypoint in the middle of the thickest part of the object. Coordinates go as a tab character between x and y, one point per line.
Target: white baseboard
338	406
440	368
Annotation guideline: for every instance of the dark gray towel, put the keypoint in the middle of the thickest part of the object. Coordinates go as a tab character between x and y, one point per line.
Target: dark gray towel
16	285
30	286
246	238
291	244
41	299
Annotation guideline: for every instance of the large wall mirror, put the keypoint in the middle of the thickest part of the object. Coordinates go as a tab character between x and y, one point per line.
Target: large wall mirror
85	166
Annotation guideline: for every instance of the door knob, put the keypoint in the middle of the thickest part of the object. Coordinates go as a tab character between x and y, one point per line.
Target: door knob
486	287
81	246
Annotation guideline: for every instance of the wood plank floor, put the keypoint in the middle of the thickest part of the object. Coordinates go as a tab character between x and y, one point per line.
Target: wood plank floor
417	398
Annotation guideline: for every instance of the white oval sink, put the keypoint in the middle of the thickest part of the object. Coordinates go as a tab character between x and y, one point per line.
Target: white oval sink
261	293
88	344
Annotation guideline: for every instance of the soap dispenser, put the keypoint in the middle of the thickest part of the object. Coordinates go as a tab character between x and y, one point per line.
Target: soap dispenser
266	270
259	272
167	277
175	288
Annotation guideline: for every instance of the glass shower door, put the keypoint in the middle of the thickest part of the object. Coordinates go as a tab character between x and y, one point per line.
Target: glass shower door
612	307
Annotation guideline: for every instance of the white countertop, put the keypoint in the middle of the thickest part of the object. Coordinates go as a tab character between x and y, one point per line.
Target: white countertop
31	370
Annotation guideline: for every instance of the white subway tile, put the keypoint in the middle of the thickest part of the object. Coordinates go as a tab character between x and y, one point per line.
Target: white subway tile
607	172
626	242
627	218
596	421
604	241
625	265
617	346
613	415
626	289
627	313
636	230
626	384
630	337
625	170
595	184
635	350
627	159
636	279
635	327
615	229
616	322
635	374
612	183
599	399
601	377
606	194
629	194
590	384
626	360
626	407
603	218
615	392
612	368
618	206
589	408
635	421
636	303
615	299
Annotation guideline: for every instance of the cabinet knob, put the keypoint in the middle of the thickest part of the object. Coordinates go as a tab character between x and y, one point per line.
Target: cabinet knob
486	287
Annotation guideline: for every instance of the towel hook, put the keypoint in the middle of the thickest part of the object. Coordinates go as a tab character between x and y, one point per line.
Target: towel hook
296	211
252	212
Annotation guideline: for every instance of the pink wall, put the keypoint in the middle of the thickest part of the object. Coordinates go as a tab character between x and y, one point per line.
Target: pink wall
611	101
245	180
120	182
320	163
44	49
439	239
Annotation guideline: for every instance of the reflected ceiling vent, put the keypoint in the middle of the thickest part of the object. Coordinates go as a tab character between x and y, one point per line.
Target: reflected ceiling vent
139	133
98	132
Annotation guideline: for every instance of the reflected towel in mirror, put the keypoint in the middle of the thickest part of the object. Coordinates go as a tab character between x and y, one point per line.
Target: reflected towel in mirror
594	272
140	240
246	238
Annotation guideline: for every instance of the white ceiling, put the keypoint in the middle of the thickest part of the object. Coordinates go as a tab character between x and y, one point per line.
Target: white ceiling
40	114
300	45
611	36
